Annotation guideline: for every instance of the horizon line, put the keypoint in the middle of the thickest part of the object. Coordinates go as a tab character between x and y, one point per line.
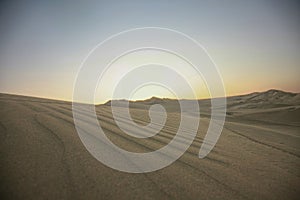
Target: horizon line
166	98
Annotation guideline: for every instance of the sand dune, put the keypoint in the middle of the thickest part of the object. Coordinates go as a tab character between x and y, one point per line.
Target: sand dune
256	157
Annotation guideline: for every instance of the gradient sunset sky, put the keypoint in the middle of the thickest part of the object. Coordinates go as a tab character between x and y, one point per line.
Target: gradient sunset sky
256	44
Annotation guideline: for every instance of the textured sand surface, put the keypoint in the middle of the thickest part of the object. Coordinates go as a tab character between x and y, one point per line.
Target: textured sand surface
256	157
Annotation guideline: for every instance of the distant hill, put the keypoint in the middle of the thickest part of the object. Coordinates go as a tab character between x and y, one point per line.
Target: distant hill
268	99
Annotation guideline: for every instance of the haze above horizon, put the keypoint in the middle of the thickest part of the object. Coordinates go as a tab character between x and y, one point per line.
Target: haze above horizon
255	44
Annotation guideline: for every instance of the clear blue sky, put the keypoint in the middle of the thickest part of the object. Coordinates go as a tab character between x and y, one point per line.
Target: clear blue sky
256	44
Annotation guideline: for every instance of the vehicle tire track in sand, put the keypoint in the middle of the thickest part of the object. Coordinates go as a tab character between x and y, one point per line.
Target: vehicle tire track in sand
109	117
261	143
3	131
165	134
185	163
63	161
69	175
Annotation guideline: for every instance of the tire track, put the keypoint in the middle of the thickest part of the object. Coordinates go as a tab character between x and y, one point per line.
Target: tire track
152	149
261	143
67	167
180	161
167	134
109	117
3	131
63	161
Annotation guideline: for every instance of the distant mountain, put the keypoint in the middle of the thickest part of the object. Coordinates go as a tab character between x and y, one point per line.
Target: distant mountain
154	100
116	102
143	104
277	96
151	101
271	106
268	99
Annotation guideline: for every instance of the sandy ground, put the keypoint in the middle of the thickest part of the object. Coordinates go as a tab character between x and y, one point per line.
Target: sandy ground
256	157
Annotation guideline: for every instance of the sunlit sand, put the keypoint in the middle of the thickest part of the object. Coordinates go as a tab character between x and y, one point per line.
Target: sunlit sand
256	157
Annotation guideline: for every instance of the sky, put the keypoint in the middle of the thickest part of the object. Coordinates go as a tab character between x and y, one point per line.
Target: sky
255	44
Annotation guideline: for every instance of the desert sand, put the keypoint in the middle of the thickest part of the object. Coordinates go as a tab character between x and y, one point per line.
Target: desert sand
256	157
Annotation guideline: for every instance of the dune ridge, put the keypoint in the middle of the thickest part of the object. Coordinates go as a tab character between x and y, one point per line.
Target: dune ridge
256	157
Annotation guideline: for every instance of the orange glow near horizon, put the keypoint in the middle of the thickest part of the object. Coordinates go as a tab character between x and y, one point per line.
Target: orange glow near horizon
254	44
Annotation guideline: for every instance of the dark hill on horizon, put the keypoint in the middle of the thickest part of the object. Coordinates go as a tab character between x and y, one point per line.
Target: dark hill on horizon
271	96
